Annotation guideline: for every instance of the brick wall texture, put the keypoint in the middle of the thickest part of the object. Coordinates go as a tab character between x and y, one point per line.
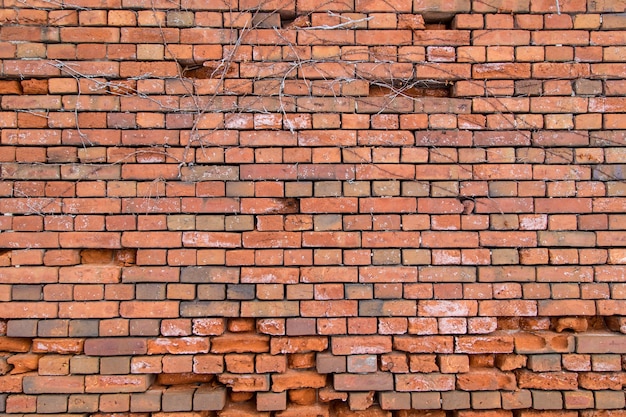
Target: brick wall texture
313	208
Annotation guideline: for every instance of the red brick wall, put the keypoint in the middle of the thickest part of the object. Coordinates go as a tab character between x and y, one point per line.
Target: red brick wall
307	208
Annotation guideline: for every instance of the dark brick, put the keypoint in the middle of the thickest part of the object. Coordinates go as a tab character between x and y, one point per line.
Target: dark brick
209	398
22	328
83	328
52	403
177	399
240	291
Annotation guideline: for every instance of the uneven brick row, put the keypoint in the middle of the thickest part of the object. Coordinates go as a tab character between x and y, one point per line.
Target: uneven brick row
541	369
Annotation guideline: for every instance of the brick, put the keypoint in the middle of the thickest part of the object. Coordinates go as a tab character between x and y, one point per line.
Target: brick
486	400
454	364
360	345
516	399
209	398
267	401
454	400
358	401
600	343
146	309
424	382
547	400
600	381
296	380
364	382
240	343
484	344
486	380
12	344
515	6
578	399
53	384
31	310
543	363
426	401
565	308
21	363
608	400
117	383
548	380
511	308
543	342
424	344
245	382
178	346
283	345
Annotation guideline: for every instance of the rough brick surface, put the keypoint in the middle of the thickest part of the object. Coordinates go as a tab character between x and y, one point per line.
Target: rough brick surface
395	208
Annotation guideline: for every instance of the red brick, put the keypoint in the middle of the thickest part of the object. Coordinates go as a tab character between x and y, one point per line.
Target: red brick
149	309
484	344
449	239
21	403
38	68
178	346
30	310
548	380
13	344
269	308
245	382
297	379
84	274
151	239
350	345
424	344
267	275
30	240
507	308
30	275
486	380
501	71
334	239
240	343
543	342
282	345
89	309
516	6
387	205
564	274
386	274
424	382
446	274
445	308
544	6
104	35
501	37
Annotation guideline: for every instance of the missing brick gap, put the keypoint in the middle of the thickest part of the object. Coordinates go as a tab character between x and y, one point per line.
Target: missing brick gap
208	70
278	19
438	21
262	20
120	257
293	21
412	88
